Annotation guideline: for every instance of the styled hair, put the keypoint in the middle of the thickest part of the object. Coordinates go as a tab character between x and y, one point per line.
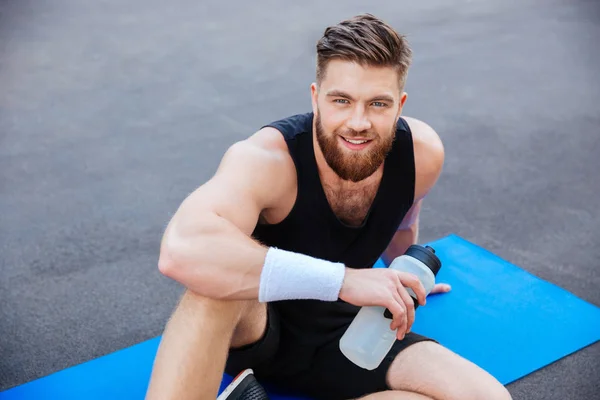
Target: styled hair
366	40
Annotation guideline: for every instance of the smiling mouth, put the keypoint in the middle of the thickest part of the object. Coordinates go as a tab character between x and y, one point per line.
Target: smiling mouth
356	141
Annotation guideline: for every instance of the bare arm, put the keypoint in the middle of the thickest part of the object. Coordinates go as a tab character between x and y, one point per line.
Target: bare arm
207	245
429	160
406	235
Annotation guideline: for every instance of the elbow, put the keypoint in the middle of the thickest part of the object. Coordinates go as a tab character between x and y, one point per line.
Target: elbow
166	266
195	277
172	252
169	260
181	273
169	267
187	257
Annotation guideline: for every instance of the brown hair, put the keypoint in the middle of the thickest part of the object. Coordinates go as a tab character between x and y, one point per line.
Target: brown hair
366	40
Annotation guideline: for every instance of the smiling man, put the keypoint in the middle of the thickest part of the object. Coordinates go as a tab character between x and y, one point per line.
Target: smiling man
276	249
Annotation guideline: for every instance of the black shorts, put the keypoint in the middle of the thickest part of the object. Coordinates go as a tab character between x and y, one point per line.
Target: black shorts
285	361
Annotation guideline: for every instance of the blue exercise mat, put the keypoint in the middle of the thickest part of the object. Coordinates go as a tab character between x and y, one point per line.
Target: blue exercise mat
500	317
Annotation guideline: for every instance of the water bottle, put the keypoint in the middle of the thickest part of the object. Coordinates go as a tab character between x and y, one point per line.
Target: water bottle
369	338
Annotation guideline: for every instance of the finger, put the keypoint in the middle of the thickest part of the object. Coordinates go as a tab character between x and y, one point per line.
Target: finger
411	281
398	319
410	307
401	330
396	307
401	320
400	314
441	288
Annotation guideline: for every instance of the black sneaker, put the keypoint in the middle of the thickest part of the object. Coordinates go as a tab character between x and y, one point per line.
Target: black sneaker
244	387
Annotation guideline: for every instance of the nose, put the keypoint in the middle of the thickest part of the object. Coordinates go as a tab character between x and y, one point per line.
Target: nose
358	121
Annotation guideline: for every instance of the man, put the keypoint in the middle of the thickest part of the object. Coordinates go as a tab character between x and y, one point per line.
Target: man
276	249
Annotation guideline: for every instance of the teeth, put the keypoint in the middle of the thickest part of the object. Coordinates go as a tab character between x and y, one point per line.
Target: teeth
355	141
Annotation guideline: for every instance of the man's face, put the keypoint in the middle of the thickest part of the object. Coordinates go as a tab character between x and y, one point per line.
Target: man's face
356	110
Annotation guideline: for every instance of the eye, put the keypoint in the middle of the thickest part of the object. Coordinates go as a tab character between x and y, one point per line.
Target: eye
341	101
379	104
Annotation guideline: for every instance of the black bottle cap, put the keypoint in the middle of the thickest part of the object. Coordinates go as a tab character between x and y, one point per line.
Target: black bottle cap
426	255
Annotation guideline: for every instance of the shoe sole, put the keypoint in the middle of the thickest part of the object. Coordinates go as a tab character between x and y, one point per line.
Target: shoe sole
234	384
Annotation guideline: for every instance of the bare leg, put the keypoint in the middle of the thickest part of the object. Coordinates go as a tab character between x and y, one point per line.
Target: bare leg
395	395
191	357
427	367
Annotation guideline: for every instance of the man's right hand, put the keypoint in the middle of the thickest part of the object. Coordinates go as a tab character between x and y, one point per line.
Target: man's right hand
386	288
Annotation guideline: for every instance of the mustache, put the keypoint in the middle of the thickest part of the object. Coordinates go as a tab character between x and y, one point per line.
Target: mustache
351	133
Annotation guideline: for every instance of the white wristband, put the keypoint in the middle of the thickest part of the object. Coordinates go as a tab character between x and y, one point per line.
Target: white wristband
292	276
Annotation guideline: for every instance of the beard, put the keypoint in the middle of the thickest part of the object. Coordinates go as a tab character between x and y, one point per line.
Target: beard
357	165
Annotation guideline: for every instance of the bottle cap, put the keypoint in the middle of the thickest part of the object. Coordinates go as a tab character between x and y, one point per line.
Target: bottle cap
426	255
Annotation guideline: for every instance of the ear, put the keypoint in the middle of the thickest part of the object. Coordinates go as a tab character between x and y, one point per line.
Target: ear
401	104
314	94
403	99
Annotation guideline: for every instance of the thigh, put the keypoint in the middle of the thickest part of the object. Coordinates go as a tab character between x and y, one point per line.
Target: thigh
256	341
333	376
433	370
252	324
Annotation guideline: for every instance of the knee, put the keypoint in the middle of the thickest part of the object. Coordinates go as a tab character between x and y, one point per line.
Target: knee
485	388
495	391
500	393
225	312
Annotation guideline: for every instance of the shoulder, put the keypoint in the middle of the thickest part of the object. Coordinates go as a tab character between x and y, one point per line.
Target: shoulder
264	151
261	164
292	125
268	140
429	156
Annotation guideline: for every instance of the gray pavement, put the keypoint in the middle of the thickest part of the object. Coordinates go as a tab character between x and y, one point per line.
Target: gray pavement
112	112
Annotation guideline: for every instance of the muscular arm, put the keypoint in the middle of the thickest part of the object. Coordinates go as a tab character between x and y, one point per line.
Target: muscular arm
207	245
208	248
429	160
406	235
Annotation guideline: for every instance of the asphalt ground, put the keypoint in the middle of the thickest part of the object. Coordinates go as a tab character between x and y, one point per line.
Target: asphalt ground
112	112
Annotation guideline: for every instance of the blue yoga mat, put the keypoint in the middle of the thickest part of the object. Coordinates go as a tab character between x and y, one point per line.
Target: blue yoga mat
502	318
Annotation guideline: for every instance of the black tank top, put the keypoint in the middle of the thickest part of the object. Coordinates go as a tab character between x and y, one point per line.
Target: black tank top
313	229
